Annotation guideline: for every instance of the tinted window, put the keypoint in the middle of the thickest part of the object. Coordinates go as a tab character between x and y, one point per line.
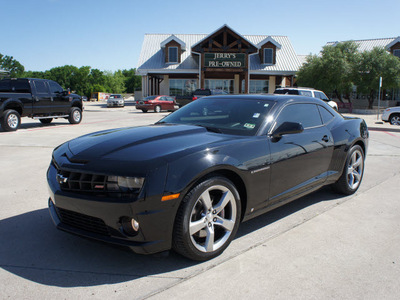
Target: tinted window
41	87
5	86
325	114
170	99
205	92
55	87
305	114
223	115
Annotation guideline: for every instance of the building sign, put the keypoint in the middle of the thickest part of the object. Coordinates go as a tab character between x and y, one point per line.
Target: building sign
224	60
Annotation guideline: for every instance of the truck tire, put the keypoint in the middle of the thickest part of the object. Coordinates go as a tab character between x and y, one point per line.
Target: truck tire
75	116
11	120
46	121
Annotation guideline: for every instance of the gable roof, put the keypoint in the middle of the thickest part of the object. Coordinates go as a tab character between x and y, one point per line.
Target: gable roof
173	38
393	43
152	57
271	40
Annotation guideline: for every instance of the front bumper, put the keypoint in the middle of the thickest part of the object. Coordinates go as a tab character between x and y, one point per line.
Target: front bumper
120	104
100	218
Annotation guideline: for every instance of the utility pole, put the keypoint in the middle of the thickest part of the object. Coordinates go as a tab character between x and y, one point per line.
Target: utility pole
379	96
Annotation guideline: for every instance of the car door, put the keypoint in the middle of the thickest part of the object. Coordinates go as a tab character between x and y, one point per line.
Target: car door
299	161
170	103
61	103
163	103
43	101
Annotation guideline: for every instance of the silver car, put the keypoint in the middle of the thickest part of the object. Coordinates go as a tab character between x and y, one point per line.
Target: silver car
392	115
115	100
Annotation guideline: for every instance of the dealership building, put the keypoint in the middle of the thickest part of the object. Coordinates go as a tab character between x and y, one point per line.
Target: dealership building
178	64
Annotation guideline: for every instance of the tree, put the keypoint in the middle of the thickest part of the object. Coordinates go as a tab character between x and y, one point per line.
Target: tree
332	70
114	82
10	64
132	81
372	65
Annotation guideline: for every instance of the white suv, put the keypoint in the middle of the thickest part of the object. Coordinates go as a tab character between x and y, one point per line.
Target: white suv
392	115
308	92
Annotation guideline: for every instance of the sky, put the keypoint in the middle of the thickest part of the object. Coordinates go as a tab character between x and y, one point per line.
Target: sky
108	35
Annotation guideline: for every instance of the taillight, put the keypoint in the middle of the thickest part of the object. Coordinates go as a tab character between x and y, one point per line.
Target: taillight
194	98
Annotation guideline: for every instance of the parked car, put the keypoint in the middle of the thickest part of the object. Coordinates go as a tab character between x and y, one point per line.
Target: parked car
39	99
157	104
200	171
392	115
309	92
115	100
84	98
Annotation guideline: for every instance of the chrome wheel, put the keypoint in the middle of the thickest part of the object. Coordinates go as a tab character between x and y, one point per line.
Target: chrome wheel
212	219
395	120
76	116
355	169
157	109
13	121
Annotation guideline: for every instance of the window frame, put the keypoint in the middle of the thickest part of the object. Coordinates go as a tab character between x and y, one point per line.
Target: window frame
169	55
264	56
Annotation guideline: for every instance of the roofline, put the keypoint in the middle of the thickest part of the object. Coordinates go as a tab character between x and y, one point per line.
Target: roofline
144	72
225	25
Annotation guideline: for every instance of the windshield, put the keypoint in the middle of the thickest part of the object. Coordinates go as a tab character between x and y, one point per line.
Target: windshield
115	96
239	116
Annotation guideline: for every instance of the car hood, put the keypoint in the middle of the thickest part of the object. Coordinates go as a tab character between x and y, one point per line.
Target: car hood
141	144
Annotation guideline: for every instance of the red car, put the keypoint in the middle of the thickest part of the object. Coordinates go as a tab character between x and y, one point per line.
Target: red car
157	103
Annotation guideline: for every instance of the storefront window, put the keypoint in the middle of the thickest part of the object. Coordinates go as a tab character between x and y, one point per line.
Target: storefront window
182	87
226	85
257	86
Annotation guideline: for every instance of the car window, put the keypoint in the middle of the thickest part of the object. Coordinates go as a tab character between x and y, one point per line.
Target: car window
286	92
55	87
325	114
41	87
170	99
150	98
305	114
224	115
305	93
321	96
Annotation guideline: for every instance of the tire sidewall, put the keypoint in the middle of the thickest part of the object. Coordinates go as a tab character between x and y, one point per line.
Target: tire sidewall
349	190
392	117
4	120
187	207
71	115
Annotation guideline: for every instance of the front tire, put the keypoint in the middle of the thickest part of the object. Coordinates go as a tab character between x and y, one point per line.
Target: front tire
75	116
395	119
353	172
11	120
207	219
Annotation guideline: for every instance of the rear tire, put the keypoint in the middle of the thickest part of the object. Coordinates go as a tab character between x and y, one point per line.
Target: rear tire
353	172
144	110
75	116
157	109
11	120
207	220
46	121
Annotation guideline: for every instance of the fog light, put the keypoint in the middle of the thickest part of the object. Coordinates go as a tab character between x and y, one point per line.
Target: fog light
130	226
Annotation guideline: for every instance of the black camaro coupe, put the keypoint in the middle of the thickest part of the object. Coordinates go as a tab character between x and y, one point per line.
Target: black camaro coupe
187	181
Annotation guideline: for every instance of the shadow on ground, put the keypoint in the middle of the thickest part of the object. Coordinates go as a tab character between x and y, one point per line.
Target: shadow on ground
32	248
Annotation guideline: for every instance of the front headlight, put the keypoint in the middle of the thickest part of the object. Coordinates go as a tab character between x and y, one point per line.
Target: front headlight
124	184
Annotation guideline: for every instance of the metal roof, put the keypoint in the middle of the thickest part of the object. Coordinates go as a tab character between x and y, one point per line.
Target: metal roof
152	57
368	45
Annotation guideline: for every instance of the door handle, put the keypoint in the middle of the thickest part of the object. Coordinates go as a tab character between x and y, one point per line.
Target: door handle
325	138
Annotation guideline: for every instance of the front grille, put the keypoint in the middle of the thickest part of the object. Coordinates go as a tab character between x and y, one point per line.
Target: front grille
83	222
82	182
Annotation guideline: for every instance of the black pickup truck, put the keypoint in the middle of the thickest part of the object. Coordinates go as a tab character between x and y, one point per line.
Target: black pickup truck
39	99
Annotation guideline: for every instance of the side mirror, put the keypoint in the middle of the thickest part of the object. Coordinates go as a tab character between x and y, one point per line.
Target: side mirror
287	128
